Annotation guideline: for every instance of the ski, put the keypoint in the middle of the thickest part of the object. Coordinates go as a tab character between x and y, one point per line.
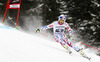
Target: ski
67	49
87	57
84	55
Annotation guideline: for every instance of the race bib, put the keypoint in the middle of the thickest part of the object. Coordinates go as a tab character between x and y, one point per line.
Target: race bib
59	30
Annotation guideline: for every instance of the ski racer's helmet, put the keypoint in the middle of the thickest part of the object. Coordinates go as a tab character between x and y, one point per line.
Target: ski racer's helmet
62	18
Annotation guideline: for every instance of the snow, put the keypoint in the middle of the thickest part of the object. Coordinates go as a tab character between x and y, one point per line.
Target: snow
82	28
96	3
17	46
93	28
33	9
1	4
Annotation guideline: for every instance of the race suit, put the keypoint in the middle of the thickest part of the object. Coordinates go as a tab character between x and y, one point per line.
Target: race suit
59	34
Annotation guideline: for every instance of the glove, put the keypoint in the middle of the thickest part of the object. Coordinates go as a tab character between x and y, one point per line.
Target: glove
38	30
70	36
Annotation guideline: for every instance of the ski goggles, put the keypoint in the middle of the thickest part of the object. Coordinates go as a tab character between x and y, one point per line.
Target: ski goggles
62	20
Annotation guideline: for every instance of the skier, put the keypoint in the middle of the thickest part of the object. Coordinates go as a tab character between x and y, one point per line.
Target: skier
59	35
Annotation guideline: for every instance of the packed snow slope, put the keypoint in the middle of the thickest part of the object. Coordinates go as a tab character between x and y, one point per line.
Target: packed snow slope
16	46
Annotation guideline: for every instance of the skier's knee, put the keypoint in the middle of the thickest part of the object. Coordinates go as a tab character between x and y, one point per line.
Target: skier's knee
57	41
69	43
62	43
56	38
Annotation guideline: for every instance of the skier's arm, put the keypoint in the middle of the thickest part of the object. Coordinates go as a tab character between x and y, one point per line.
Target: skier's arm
69	29
47	27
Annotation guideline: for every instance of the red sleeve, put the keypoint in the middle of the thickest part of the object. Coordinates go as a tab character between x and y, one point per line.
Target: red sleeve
68	28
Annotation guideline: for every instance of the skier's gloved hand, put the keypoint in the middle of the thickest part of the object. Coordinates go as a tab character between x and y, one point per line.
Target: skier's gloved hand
70	36
38	30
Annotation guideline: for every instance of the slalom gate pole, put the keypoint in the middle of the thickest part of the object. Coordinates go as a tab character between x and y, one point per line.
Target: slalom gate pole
18	15
17	18
5	12
43	34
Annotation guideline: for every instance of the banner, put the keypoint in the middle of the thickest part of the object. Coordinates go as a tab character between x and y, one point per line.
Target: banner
14	4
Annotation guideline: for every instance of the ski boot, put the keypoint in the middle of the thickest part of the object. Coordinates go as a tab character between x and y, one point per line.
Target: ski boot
83	54
68	50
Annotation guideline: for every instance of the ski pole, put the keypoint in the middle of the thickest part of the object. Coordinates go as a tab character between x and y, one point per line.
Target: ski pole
43	34
89	46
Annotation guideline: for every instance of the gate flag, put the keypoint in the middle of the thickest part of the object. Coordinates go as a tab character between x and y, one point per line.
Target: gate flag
13	4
